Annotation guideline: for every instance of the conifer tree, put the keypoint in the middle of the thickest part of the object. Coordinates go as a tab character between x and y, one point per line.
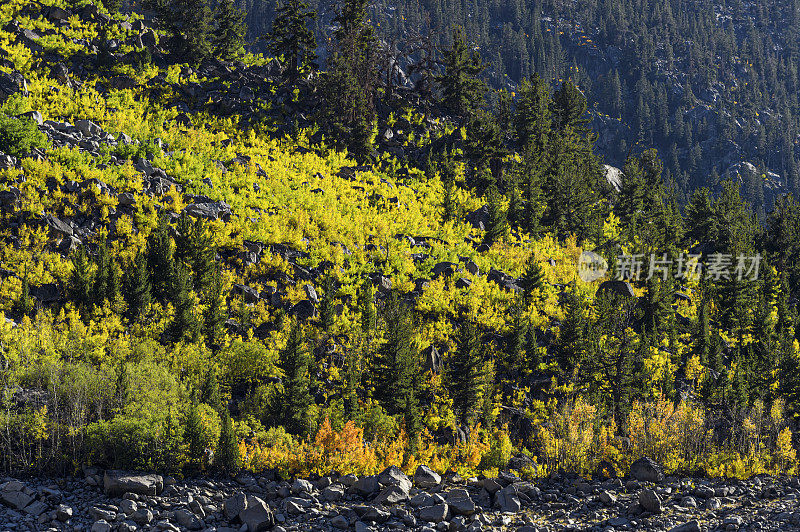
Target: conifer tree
228	36
192	435
498	225
137	288
209	390
106	279
462	91
24	305
366	306
533	116
569	106
80	282
215	312
194	246
350	82
532	281
291	37
189	24
297	400
183	322
464	375
227	457
395	365
327	314
160	260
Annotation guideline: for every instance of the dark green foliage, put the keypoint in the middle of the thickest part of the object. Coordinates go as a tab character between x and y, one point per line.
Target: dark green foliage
215	313
366	306
465	373
350	81
184	322
192	433
107	278
194	247
291	37
24	305
18	136
188	23
296	399
160	260
226	457
532	282
80	282
137	288
395	367
210	392
498	225
462	90
327	304
228	35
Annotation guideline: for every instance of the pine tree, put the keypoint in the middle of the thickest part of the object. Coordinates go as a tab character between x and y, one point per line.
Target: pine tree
189	24
569	106
395	367
462	91
291	38
464	375
24	305
327	303
192	435
532	281
366	306
183	323
350	82
209	390
215	312
498	225
137	288
160	260
80	281
227	457
194	247
533	116
297	400
229	31
106	279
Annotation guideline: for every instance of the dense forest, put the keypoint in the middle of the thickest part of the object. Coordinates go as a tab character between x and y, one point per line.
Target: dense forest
712	85
213	259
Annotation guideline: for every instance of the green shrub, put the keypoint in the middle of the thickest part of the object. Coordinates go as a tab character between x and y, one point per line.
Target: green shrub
19	136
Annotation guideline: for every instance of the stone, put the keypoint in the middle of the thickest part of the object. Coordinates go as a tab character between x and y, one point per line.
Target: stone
302	486
646	470
234	505
142	516
117	483
392	475
257	516
434	514
303	310
366	485
392	495
88	128
691	526
508	500
460	502
425	477
101	526
64	513
607	498
333	493
340	522
35	508
621	288
58	226
188	520
211	210
650	501
15	499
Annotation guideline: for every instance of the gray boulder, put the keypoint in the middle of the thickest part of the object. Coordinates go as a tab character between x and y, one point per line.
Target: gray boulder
646	470
257	516
425	477
434	514
116	483
650	501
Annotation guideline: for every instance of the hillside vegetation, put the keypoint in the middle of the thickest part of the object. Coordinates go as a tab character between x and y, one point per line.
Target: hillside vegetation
213	264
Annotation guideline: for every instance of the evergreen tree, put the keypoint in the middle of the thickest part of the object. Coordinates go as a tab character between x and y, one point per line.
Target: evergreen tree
192	435
462	90
194	247
350	82
366	306
228	36
209	390
498	225
160	260
395	365
107	279
532	281
215	312
183	322
80	281
297	400
24	305
569	107
291	37
464	375
327	311
227	457
189	24
137	288
533	116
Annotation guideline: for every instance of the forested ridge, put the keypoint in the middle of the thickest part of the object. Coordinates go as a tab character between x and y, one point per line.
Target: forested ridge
214	260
